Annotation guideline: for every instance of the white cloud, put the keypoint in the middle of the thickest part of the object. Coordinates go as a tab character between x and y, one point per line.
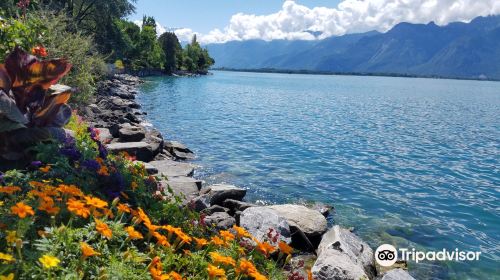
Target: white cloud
295	21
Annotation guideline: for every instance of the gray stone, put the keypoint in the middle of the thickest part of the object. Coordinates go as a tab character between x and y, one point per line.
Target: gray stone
220	192
129	133
214	209
104	135
200	203
259	220
172	168
174	145
184	187
343	255
155	140
309	221
397	274
323	208
236	205
183	155
220	220
141	150
149	168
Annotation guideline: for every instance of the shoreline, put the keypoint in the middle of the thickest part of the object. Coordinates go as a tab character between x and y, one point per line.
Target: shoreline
356	74
123	127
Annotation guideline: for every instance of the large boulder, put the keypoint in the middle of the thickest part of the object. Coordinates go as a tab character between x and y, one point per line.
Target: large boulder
311	222
155	140
220	192
172	168
141	150
186	188
220	220
258	221
236	205
397	274
129	133
179	150
343	255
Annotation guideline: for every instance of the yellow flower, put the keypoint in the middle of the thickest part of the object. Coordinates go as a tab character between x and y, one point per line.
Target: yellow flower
49	261
1	203
22	210
88	251
214	271
218	241
133	234
134	185
96	202
78	208
11	236
6	257
103	229
220	259
8	277
285	248
174	275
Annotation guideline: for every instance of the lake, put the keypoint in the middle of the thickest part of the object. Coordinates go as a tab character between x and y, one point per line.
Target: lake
412	162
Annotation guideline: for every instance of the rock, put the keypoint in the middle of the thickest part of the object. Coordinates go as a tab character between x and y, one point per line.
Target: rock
155	140
141	150
179	150
343	255
220	220
172	168
397	274
309	221
323	208
259	220
183	155
220	192
185	187
236	205
200	203
129	133
104	135
214	209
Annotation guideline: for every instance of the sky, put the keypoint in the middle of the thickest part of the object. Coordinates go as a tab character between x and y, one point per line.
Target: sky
218	21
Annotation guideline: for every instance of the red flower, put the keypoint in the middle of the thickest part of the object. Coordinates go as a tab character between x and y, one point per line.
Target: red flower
39	51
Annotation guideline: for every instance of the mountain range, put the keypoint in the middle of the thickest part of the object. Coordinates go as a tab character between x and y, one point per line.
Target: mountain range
458	50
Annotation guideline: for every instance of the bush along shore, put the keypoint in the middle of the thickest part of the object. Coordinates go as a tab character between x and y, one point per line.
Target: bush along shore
320	252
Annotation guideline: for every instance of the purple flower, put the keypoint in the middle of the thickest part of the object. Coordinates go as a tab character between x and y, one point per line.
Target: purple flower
115	185
1	177
103	152
71	152
36	163
91	164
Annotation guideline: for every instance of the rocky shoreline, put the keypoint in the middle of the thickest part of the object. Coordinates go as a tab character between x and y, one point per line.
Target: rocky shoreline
329	253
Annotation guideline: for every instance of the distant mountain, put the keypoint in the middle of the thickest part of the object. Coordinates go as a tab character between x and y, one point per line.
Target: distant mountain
462	50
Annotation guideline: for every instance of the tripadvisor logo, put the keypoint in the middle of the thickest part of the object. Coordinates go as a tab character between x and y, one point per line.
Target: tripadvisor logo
387	255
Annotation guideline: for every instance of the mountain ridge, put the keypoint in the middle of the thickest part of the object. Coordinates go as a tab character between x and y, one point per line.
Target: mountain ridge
458	50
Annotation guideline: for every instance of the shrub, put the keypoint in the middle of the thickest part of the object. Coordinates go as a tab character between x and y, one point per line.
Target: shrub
80	50
16	32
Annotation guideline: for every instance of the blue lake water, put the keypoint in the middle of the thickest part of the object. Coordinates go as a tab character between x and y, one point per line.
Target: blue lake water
413	162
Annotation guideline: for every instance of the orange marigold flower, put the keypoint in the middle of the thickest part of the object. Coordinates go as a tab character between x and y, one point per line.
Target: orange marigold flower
285	248
142	216
155	269
9	189
70	190
35	184
228	236
246	267
258	276
103	229
182	236
200	242
48	206
218	241
309	275
214	271
241	232
123	208
45	169
174	275
78	208
162	240
265	248
132	233
220	259
96	202
134	185
88	251
22	210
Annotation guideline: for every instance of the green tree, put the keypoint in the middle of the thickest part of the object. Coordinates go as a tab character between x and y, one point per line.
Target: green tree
196	58
172	49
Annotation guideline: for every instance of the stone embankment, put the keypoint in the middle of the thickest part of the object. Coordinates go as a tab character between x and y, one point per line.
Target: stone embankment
329	253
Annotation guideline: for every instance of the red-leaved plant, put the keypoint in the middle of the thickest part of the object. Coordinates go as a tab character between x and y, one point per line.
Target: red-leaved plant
31	106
